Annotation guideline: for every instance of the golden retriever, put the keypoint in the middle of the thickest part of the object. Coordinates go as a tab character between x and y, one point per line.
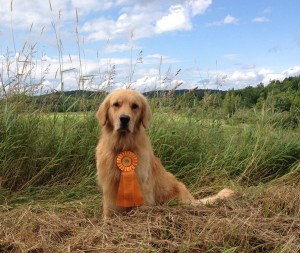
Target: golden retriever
124	116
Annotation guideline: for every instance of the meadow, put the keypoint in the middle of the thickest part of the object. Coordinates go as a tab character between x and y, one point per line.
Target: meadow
247	140
50	201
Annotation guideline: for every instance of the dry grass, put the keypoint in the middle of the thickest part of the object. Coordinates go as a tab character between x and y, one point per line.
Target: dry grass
255	220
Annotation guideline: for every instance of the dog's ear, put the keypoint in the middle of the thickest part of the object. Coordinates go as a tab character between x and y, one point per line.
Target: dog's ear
146	112
102	113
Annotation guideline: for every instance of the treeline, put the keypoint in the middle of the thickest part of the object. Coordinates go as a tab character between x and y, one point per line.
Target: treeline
283	96
278	96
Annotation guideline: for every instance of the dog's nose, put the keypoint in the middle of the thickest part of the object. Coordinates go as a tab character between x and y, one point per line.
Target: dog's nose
124	119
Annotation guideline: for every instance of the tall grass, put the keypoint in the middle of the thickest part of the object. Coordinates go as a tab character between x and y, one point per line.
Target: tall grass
251	154
42	149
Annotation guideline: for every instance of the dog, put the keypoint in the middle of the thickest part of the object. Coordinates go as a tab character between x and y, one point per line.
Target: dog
124	116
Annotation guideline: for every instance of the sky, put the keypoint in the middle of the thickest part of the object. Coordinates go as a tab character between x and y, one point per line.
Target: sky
148	44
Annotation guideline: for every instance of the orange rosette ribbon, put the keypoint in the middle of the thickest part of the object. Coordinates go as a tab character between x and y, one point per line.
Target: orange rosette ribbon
129	192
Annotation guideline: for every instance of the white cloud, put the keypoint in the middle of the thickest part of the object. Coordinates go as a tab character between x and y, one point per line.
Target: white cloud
261	19
264	71
269	75
32	20
146	83
230	79
40	13
198	7
145	19
240	76
150	83
124	27
24	13
141	18
228	20
295	71
176	19
264	75
239	79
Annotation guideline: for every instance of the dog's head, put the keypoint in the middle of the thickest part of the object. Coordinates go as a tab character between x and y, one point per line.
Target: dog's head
124	111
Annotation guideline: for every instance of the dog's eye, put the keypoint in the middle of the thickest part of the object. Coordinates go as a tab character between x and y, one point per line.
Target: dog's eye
134	106
116	104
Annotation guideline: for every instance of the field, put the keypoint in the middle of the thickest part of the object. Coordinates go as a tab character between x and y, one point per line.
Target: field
247	140
50	202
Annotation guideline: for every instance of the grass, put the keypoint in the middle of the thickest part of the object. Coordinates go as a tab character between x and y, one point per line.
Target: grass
252	153
49	200
37	149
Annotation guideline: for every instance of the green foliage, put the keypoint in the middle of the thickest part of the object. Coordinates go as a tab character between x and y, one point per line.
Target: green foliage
285	101
250	95
283	95
231	103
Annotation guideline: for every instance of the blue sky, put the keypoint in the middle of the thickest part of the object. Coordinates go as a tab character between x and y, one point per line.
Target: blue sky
217	44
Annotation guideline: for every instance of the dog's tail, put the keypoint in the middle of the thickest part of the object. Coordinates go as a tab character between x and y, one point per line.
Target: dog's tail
223	194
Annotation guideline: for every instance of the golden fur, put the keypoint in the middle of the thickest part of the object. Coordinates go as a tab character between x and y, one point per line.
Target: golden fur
124	116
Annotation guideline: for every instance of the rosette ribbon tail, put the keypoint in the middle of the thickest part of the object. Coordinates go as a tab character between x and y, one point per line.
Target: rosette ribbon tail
129	192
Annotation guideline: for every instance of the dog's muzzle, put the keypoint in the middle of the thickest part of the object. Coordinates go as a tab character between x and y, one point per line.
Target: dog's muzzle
124	121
